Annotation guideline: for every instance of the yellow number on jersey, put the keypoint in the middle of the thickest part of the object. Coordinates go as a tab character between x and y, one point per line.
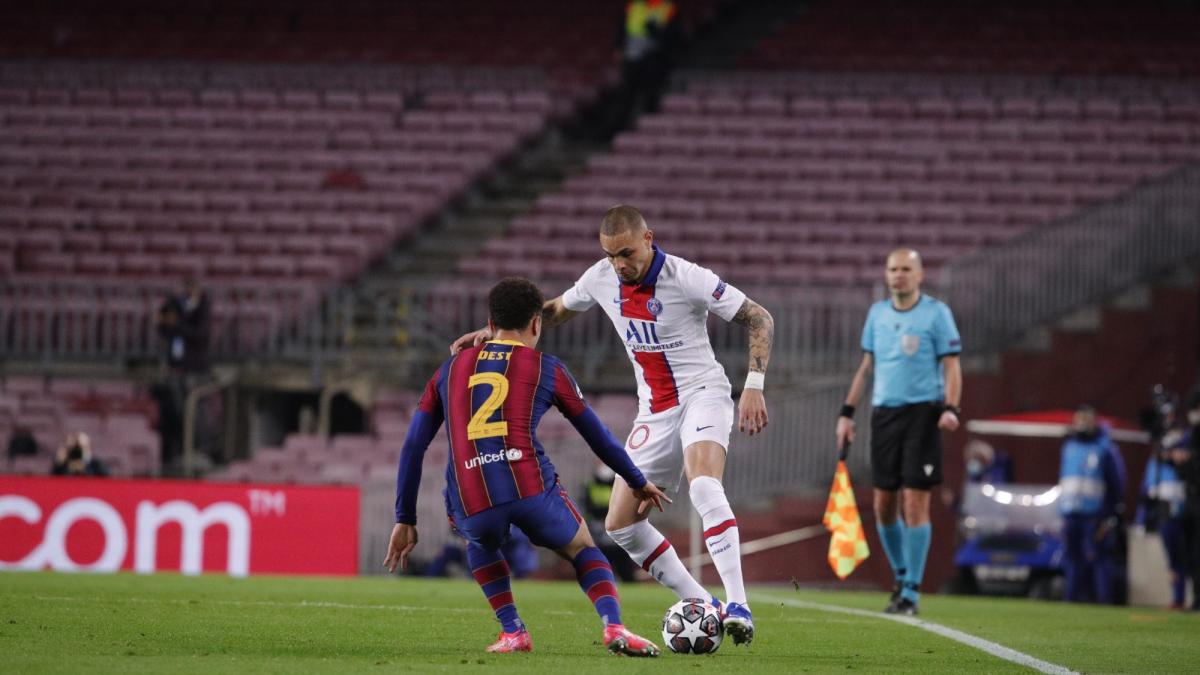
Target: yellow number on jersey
479	427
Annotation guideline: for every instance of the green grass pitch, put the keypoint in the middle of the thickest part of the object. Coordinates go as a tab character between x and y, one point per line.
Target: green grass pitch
61	623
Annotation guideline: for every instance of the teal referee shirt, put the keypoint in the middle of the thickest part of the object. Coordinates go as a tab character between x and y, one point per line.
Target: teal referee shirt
908	347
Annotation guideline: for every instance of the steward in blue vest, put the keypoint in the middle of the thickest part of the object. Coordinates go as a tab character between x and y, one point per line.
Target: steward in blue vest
1092	485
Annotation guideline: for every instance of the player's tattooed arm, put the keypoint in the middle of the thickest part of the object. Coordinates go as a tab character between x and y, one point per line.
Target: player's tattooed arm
762	333
555	313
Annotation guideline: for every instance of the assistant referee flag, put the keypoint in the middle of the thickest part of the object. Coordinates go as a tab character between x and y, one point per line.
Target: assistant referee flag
848	543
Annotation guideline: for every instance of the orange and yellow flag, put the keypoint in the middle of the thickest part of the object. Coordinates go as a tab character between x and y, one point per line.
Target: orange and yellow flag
848	545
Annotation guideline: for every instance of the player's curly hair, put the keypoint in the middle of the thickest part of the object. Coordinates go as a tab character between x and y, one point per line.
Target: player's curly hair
514	302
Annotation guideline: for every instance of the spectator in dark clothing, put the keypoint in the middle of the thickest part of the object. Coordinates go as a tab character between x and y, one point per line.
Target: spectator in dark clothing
647	41
1185	458
184	323
75	458
22	442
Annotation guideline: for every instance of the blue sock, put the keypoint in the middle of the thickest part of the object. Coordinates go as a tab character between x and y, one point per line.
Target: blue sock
491	573
596	579
892	537
916	550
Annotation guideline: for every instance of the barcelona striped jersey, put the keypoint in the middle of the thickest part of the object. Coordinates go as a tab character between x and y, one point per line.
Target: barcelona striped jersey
491	398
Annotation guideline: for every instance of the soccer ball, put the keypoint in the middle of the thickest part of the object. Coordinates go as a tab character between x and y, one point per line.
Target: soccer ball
693	626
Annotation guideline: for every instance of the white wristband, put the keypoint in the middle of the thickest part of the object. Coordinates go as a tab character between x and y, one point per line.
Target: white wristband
754	380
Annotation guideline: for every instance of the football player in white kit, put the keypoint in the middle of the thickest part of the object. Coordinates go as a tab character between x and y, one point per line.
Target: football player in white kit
659	304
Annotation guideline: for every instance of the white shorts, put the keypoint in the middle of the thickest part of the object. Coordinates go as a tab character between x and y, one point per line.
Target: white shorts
657	441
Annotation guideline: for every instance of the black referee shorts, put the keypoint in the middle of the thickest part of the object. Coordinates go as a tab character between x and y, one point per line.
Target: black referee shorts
906	447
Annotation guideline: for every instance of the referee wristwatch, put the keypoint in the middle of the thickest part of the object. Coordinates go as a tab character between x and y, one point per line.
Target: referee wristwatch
946	407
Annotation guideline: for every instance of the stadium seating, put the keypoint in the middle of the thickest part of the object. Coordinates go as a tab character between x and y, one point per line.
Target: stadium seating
264	194
814	188
116	415
358	458
572	43
81	177
1046	38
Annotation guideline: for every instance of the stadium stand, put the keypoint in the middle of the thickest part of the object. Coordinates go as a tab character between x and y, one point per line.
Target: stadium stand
813	188
354	458
571	42
116	415
262	193
271	184
1147	39
277	149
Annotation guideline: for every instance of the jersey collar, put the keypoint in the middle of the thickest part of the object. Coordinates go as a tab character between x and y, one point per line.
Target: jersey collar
514	343
920	299
656	266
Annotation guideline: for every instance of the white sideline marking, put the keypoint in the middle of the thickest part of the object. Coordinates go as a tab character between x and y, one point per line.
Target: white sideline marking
274	603
256	603
997	650
764	544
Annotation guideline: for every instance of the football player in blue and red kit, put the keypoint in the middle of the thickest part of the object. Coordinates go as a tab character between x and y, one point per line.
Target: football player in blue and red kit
491	398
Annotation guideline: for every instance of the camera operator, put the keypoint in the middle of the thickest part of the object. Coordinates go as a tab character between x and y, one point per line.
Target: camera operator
1186	459
74	458
1163	493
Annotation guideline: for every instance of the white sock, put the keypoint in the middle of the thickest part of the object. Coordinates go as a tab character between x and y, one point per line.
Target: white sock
720	534
647	547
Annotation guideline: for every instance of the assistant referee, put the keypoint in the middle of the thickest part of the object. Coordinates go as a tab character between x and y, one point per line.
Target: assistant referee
912	345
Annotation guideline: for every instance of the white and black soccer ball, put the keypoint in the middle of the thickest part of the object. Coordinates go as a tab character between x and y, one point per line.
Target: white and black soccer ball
693	626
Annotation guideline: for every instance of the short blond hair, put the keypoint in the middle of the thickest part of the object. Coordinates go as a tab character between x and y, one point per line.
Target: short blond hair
620	219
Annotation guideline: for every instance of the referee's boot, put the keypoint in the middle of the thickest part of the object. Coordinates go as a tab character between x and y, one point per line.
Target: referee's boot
894	600
739	625
902	605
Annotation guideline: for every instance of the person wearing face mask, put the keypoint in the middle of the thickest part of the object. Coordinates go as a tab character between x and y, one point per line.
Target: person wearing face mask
1092	485
986	465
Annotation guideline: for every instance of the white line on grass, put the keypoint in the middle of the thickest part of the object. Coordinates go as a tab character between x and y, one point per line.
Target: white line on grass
259	603
997	650
274	603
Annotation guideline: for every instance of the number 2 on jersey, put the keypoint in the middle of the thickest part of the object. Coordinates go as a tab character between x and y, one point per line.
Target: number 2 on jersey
479	427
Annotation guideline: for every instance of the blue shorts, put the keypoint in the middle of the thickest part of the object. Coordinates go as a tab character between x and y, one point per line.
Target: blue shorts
550	520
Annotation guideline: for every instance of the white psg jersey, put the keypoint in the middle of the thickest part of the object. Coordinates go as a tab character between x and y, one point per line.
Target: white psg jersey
663	322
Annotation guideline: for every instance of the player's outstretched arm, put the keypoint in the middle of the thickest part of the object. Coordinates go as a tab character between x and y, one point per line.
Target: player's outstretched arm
472	339
554	313
752	407
845	421
421	431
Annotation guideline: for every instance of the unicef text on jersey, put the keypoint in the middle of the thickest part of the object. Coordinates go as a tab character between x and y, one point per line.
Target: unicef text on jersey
512	455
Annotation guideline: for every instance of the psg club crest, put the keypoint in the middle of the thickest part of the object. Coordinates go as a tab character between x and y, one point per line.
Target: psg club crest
654	306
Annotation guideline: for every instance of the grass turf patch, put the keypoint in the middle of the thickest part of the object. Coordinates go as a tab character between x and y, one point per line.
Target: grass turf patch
62	623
